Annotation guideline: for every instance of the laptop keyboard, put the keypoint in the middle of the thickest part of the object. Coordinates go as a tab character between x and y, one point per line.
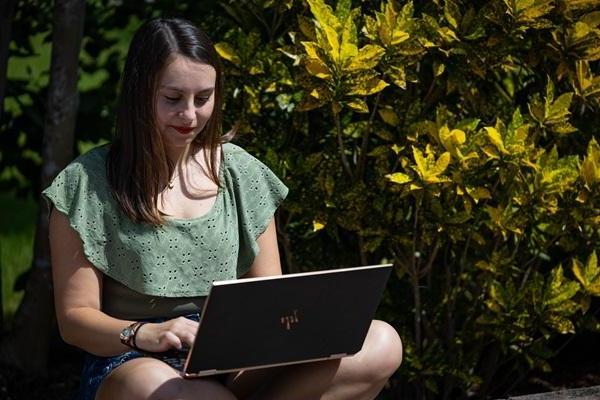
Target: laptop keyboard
175	357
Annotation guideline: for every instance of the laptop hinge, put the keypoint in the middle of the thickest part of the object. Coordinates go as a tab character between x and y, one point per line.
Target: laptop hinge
339	355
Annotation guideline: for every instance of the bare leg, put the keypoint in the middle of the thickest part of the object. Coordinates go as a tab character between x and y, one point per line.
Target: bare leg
361	376
150	379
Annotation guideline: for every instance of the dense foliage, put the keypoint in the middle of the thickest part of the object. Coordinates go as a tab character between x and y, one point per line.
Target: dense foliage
453	138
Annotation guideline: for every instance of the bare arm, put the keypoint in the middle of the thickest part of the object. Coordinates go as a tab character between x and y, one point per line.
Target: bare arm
267	261
77	296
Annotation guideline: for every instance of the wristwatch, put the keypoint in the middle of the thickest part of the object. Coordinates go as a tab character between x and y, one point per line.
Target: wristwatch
127	335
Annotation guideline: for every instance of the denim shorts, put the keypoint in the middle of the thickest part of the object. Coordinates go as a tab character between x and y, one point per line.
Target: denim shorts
96	368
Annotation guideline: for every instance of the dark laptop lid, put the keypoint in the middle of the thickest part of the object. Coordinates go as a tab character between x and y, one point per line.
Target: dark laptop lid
259	322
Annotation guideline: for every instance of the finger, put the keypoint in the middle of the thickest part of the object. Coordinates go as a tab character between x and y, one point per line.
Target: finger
172	340
188	338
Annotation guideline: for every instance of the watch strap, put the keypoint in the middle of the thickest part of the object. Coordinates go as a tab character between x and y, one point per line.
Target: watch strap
128	334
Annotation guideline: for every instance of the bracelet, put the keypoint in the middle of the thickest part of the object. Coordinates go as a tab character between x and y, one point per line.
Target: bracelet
128	334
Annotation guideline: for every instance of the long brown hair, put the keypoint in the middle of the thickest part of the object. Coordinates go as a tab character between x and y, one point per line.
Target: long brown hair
137	162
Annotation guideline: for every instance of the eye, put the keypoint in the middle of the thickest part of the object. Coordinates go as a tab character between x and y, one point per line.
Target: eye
172	99
200	100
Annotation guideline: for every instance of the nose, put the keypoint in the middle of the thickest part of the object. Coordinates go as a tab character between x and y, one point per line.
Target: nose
188	112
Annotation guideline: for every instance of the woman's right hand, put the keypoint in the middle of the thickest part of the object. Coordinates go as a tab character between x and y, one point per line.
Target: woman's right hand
172	334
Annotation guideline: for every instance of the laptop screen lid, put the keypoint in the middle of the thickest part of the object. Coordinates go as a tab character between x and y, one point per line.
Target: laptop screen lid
286	319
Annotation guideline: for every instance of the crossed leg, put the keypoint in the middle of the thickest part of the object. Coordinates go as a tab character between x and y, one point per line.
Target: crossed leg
358	377
361	376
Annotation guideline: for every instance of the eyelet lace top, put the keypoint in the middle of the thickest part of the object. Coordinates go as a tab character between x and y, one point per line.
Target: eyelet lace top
184	256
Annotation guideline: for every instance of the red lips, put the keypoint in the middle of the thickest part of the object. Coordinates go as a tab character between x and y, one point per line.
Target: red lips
183	130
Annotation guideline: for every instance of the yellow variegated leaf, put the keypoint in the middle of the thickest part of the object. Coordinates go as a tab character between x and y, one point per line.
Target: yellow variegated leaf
348	46
586	85
447	34
398	76
573	5
452	140
324	14
368	57
389	116
430	169
347	52
441	164
560	324
560	289
398	37
438	68
559	109
227	52
306	27
452	13
312	49
309	103
479	193
358	105
398	177
496	139
317	68
590	167
589	274
367	87
334	43
528	10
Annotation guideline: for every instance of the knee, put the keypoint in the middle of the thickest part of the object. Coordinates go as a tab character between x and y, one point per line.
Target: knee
148	379
138	379
382	352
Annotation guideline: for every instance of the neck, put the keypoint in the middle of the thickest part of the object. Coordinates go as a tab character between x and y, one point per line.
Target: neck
179	156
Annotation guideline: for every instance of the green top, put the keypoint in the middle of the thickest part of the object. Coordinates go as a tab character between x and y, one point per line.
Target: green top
184	256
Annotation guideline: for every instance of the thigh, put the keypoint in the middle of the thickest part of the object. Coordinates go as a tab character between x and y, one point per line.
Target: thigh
152	379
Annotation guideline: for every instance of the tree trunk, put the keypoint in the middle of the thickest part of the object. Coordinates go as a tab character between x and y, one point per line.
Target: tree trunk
7	11
26	346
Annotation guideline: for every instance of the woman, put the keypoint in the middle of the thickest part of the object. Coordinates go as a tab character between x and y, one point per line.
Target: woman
139	230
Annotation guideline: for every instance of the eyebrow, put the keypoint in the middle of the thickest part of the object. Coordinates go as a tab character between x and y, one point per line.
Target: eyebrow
175	88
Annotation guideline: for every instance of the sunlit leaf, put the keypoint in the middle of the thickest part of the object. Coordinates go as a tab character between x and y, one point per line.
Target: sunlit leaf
227	52
398	177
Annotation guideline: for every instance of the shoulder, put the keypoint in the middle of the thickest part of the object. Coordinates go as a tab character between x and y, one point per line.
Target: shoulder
236	157
87	170
93	161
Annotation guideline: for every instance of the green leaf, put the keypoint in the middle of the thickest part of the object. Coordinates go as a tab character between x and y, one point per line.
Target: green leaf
389	116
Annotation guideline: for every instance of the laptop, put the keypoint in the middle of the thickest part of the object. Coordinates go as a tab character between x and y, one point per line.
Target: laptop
287	319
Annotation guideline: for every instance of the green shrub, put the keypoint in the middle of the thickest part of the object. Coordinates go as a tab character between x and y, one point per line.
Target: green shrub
454	138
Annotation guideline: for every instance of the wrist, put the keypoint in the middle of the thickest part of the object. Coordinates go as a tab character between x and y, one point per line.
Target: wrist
129	334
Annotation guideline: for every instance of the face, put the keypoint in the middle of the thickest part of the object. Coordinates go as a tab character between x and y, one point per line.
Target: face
185	101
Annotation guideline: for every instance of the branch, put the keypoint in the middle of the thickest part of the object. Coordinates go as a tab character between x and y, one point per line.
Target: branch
345	163
365	140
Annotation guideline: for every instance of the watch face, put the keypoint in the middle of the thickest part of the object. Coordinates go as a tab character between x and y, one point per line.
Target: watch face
126	333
